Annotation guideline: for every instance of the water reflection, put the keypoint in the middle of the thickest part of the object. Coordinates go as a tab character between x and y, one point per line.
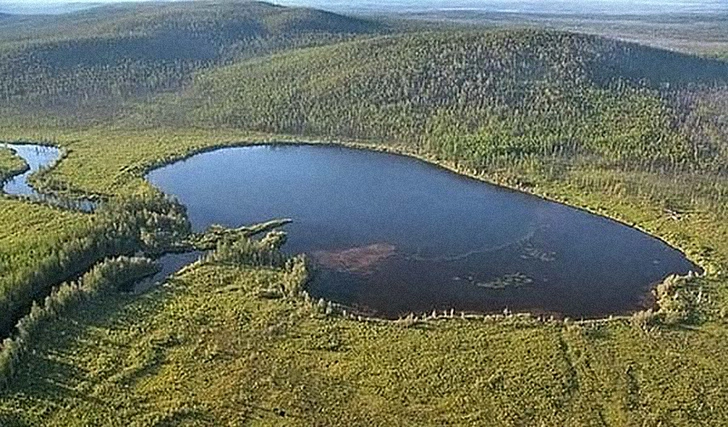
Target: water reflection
38	158
393	235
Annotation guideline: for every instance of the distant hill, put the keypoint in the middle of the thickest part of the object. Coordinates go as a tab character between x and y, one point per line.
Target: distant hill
466	94
121	51
480	95
44	8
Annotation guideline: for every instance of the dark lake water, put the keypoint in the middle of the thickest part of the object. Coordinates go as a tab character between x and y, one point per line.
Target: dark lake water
392	235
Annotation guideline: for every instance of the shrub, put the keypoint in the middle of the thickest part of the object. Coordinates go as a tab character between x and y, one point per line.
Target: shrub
674	299
644	319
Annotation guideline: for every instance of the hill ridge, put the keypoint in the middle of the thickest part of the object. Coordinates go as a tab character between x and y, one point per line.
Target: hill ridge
492	93
133	52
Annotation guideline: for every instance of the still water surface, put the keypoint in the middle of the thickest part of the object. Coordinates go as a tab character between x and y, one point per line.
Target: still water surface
39	157
392	235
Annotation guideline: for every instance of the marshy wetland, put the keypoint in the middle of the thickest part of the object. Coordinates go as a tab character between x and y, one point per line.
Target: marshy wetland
36	157
391	235
247	329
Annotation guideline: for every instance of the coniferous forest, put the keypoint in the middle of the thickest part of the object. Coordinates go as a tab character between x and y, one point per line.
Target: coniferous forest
626	127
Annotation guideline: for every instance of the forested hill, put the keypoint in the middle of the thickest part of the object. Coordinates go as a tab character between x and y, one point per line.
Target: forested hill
112	53
474	95
480	95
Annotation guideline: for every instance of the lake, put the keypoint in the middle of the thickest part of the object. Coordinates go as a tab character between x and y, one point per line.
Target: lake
390	235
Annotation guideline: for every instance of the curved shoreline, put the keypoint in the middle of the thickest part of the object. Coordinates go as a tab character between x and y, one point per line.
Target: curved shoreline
83	203
646	299
12	173
431	161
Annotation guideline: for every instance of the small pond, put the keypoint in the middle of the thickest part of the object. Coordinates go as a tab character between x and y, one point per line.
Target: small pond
392	235
169	264
39	157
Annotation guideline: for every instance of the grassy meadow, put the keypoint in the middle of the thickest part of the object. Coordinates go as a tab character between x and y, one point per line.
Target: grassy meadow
209	349
232	339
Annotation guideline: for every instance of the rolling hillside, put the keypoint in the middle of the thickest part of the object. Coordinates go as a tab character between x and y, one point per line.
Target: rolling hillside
109	54
635	133
476	96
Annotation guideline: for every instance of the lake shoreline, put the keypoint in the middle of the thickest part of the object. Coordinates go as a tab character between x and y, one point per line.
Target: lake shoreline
434	162
431	161
245	183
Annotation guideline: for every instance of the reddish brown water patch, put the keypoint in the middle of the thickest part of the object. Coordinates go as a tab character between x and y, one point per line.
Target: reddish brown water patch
360	260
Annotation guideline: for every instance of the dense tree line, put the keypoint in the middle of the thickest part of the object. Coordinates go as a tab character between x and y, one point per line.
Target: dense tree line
120	226
105	278
477	97
114	274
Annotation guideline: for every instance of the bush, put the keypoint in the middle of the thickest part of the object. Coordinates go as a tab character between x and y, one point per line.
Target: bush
296	275
673	299
644	319
244	251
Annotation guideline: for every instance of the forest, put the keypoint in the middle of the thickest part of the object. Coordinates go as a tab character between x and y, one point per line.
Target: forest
633	132
132	52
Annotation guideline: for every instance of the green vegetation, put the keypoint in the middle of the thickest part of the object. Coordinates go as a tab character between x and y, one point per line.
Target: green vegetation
44	246
475	97
217	234
699	33
507	281
10	164
213	348
106	277
89	64
613	127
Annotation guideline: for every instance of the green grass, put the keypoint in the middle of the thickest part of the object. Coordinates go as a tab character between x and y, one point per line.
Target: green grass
208	350
574	118
10	164
42	246
32	235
